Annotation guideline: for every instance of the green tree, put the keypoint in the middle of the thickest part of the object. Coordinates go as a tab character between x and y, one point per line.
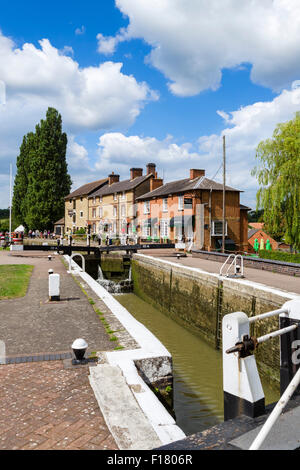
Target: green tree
21	180
42	179
278	174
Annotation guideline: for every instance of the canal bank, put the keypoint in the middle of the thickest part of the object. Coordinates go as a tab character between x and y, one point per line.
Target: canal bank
197	368
199	300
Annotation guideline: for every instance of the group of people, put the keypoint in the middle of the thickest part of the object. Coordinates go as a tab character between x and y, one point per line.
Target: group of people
37	234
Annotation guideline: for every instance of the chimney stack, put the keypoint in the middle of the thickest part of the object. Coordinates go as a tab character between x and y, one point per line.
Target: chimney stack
156	183
112	178
135	172
196	173
151	169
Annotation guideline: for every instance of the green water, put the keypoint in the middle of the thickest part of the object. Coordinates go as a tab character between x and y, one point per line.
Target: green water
198	393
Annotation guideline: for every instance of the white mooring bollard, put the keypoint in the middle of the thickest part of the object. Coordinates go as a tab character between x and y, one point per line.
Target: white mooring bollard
243	392
54	287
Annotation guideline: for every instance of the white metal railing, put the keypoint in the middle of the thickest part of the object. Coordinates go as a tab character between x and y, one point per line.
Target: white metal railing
238	269
281	404
243	380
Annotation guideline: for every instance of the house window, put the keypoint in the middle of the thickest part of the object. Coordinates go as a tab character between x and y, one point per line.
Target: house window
146	229
94	200
164	228
123	195
217	228
115	196
100	212
165	205
94	213
188	203
123	210
180	203
114	228
94	228
147	207
81	214
115	211
100	199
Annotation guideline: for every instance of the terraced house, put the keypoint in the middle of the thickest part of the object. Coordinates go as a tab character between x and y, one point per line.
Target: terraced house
191	209
77	208
112	208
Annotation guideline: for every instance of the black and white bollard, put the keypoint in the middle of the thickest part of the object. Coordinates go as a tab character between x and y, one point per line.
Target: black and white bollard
54	287
79	348
243	392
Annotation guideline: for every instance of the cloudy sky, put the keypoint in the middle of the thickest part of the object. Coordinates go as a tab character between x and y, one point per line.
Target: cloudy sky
150	80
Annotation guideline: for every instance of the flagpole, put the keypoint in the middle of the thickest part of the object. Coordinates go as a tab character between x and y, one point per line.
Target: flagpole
10	202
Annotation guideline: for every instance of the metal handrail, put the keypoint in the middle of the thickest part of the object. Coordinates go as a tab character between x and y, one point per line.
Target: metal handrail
235	257
281	404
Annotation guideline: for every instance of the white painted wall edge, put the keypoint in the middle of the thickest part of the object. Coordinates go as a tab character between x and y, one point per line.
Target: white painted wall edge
150	347
255	285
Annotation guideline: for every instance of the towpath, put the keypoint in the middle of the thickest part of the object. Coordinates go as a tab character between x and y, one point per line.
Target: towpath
49	404
276	280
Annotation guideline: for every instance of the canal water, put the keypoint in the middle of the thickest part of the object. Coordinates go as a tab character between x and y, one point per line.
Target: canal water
198	394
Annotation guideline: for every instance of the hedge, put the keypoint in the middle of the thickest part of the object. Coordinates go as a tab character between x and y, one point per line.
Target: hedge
280	256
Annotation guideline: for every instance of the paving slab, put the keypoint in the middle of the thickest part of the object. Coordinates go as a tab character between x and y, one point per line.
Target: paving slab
45	406
283	436
32	324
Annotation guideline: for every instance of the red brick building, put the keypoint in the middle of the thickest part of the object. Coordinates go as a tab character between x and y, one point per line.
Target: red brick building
192	209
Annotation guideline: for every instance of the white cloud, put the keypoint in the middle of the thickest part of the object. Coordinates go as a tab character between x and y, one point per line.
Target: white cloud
80	31
89	99
244	129
193	40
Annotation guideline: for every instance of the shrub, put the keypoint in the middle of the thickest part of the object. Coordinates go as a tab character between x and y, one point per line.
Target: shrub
280	256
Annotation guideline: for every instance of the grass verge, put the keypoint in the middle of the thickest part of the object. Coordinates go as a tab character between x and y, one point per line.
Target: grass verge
14	279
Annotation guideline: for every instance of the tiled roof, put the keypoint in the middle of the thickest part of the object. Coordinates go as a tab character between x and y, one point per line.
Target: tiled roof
185	185
87	189
125	185
252	232
257	225
244	208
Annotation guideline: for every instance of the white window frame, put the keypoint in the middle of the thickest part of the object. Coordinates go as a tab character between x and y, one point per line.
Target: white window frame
100	212
180	203
146	207
123	210
146	229
115	211
123	196
115	196
165	204
164	228
94	213
218	233
100	199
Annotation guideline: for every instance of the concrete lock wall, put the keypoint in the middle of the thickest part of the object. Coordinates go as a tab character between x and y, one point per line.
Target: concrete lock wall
199	300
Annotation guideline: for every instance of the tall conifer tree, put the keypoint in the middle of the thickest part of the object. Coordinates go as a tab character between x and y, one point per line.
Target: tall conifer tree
42	170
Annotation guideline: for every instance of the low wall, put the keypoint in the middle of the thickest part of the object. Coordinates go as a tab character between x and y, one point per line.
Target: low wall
291	269
199	300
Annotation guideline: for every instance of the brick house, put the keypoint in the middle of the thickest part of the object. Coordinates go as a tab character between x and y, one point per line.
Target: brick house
259	234
192	209
76	206
112	208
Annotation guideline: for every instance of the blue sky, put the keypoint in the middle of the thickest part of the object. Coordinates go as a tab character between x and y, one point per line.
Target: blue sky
148	80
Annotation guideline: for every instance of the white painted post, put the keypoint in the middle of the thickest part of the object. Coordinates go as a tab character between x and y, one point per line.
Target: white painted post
243	393
54	287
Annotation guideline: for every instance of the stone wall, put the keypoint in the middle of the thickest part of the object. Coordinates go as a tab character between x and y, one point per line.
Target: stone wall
199	300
